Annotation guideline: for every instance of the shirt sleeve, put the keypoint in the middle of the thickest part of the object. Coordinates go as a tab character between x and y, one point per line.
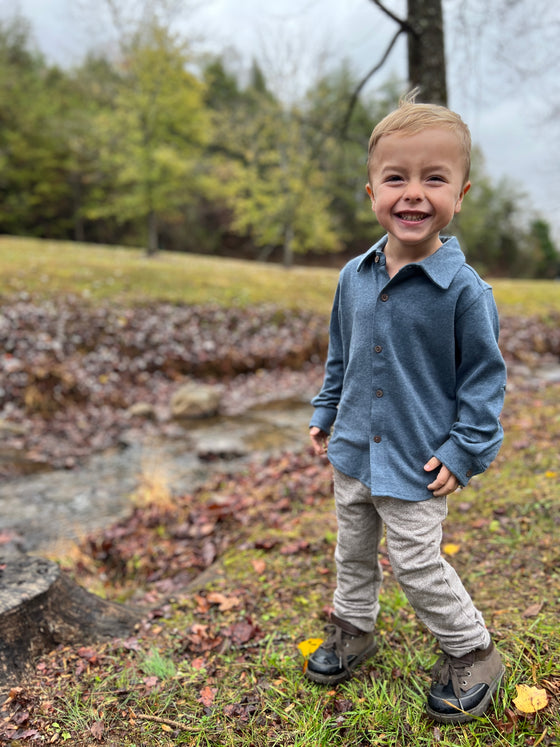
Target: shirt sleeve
477	434
326	402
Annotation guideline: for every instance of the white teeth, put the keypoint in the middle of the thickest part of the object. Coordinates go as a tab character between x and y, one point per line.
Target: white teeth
408	216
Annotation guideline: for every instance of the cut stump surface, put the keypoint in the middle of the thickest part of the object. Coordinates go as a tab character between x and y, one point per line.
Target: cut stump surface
41	607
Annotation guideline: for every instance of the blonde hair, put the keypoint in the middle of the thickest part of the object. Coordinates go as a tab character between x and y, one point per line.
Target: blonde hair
411	118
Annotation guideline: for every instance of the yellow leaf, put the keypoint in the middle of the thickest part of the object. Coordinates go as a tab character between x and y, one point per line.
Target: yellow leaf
530	699
309	646
551	474
451	549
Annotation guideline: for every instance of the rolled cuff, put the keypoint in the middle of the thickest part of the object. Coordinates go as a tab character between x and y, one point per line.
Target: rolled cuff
323	418
459	462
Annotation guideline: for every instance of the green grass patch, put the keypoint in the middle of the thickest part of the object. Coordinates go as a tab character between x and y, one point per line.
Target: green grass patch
45	269
95	273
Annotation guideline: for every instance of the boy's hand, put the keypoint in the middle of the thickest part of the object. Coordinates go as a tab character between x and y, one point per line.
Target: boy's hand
445	483
318	440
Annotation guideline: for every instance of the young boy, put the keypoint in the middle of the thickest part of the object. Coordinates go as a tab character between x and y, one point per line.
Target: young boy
414	385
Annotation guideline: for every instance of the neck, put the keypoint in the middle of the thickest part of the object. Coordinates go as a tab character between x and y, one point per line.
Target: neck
398	255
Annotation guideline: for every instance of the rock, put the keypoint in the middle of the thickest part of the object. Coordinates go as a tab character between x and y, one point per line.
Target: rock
226	449
16	460
196	401
41	608
142	410
7	428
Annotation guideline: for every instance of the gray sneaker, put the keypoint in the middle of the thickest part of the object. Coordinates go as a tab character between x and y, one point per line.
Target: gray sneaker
463	687
336	658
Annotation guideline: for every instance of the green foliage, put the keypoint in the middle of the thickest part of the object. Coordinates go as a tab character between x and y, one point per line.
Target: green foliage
31	146
160	149
149	142
492	232
547	258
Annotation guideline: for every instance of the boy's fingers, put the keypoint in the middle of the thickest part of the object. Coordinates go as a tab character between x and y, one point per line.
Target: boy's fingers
432	464
318	440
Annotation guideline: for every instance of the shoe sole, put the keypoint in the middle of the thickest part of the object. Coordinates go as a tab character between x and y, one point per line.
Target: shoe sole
461	717
333	679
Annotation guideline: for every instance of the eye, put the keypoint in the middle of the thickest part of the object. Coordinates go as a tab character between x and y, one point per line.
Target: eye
393	178
436	178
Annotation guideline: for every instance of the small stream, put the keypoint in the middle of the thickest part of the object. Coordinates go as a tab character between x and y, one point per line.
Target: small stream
49	511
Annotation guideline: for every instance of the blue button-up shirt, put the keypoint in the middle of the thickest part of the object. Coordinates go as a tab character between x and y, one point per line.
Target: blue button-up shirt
413	371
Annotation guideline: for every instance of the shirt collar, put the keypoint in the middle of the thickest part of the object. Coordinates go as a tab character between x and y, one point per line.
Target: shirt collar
441	267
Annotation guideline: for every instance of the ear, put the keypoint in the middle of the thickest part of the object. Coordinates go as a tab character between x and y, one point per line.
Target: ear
459	202
369	190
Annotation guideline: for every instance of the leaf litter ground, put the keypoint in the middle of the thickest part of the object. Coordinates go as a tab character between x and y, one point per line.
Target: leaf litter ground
233	576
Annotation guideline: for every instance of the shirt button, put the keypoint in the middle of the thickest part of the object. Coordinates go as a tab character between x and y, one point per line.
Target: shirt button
377	439
376	260
379	393
384	296
469	473
378	348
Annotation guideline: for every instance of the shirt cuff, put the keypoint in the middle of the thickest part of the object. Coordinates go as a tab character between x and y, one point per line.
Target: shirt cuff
323	418
458	461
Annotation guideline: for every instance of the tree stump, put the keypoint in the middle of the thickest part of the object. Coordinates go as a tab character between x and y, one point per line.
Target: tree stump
41	607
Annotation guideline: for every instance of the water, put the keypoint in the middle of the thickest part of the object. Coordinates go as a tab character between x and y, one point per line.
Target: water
49	511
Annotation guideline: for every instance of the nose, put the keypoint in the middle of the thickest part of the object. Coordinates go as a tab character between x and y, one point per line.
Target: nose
414	191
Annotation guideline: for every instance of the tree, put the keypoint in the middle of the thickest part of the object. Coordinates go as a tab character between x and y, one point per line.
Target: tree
423	27
151	140
90	89
489	226
32	153
426	50
547	257
272	178
343	159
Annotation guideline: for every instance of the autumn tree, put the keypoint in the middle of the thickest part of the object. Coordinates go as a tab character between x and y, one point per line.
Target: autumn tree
151	140
272	178
32	150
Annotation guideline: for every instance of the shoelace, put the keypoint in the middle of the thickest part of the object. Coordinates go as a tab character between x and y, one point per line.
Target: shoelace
452	668
334	642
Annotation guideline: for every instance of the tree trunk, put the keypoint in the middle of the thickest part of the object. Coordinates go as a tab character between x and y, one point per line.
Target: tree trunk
426	50
288	253
40	608
153	238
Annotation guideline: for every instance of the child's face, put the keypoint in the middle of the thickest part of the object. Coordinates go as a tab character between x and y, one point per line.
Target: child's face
417	186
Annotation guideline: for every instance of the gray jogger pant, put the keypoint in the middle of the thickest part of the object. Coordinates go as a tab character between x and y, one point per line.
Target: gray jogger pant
414	532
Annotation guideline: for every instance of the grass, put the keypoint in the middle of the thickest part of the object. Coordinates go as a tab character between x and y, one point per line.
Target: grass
95	273
193	675
209	689
45	268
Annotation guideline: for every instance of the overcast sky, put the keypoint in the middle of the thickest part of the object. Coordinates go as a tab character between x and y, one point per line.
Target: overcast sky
515	141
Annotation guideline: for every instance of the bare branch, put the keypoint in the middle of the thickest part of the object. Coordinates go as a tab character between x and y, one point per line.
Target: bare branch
402	22
361	84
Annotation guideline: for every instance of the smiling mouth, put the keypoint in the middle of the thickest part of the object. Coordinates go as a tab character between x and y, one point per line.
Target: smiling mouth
412	217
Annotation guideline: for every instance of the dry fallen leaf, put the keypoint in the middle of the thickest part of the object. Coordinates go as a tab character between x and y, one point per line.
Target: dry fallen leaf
97	730
259	565
309	646
533	610
207	695
530	699
225	603
451	549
